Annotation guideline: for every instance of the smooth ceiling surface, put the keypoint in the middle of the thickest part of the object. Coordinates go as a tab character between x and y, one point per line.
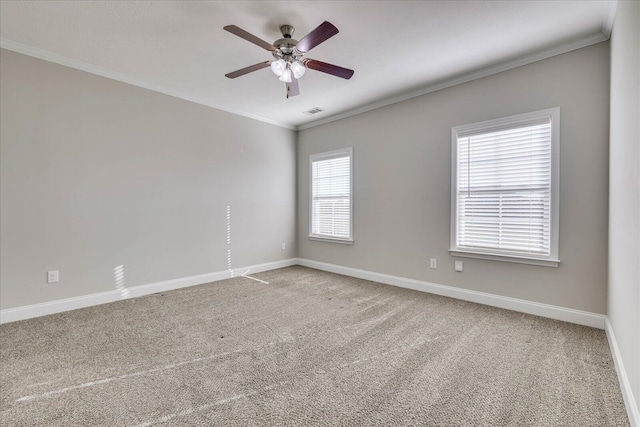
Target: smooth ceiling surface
395	47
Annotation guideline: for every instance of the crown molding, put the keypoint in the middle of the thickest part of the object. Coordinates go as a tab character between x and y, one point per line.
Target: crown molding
607	25
110	74
464	78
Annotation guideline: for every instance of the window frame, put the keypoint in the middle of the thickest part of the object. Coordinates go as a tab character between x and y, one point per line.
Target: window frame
343	152
551	260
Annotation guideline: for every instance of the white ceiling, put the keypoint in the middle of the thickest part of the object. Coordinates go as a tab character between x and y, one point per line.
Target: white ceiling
397	48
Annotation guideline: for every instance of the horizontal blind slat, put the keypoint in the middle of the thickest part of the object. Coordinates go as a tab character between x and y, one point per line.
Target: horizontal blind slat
504	187
330	199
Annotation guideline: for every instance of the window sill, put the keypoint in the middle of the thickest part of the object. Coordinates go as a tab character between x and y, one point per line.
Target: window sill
506	258
331	239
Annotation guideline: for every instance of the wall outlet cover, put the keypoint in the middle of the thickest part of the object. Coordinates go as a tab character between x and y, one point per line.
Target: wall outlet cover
53	276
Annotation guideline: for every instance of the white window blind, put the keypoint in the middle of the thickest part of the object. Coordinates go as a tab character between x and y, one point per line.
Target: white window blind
504	196
331	195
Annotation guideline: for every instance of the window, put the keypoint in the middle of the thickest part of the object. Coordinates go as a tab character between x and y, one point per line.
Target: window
331	196
504	189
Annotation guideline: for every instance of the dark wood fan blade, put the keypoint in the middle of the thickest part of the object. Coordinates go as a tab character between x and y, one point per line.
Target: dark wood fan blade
249	37
293	89
246	70
345	73
322	33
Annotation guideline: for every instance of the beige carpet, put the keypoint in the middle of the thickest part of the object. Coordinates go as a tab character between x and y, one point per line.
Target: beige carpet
308	348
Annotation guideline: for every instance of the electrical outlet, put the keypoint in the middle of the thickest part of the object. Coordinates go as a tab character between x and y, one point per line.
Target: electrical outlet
283	246
433	263
458	265
53	276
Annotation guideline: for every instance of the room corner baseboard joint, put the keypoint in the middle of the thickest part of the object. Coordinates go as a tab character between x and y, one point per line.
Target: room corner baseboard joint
633	411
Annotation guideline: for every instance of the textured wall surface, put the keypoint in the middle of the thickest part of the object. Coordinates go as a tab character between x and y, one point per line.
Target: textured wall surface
402	168
98	174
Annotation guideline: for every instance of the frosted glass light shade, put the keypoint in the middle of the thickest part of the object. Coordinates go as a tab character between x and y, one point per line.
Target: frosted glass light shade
286	76
298	69
278	67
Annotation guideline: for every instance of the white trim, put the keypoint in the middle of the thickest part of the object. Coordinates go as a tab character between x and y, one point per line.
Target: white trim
333	154
625	385
580	317
327	156
607	25
110	74
547	262
551	114
320	238
538	309
51	307
464	78
545	310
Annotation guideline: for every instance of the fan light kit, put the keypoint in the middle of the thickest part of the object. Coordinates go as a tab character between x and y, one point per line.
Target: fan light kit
288	62
283	69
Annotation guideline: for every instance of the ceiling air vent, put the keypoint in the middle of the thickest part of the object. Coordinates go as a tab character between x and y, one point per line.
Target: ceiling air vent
314	110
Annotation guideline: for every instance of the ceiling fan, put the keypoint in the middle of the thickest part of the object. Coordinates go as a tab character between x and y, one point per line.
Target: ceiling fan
288	62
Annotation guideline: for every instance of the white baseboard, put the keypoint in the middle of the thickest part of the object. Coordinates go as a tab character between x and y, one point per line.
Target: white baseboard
36	310
625	385
538	309
545	310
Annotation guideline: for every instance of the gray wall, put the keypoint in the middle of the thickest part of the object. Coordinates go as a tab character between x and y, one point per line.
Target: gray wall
624	201
97	173
402	181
